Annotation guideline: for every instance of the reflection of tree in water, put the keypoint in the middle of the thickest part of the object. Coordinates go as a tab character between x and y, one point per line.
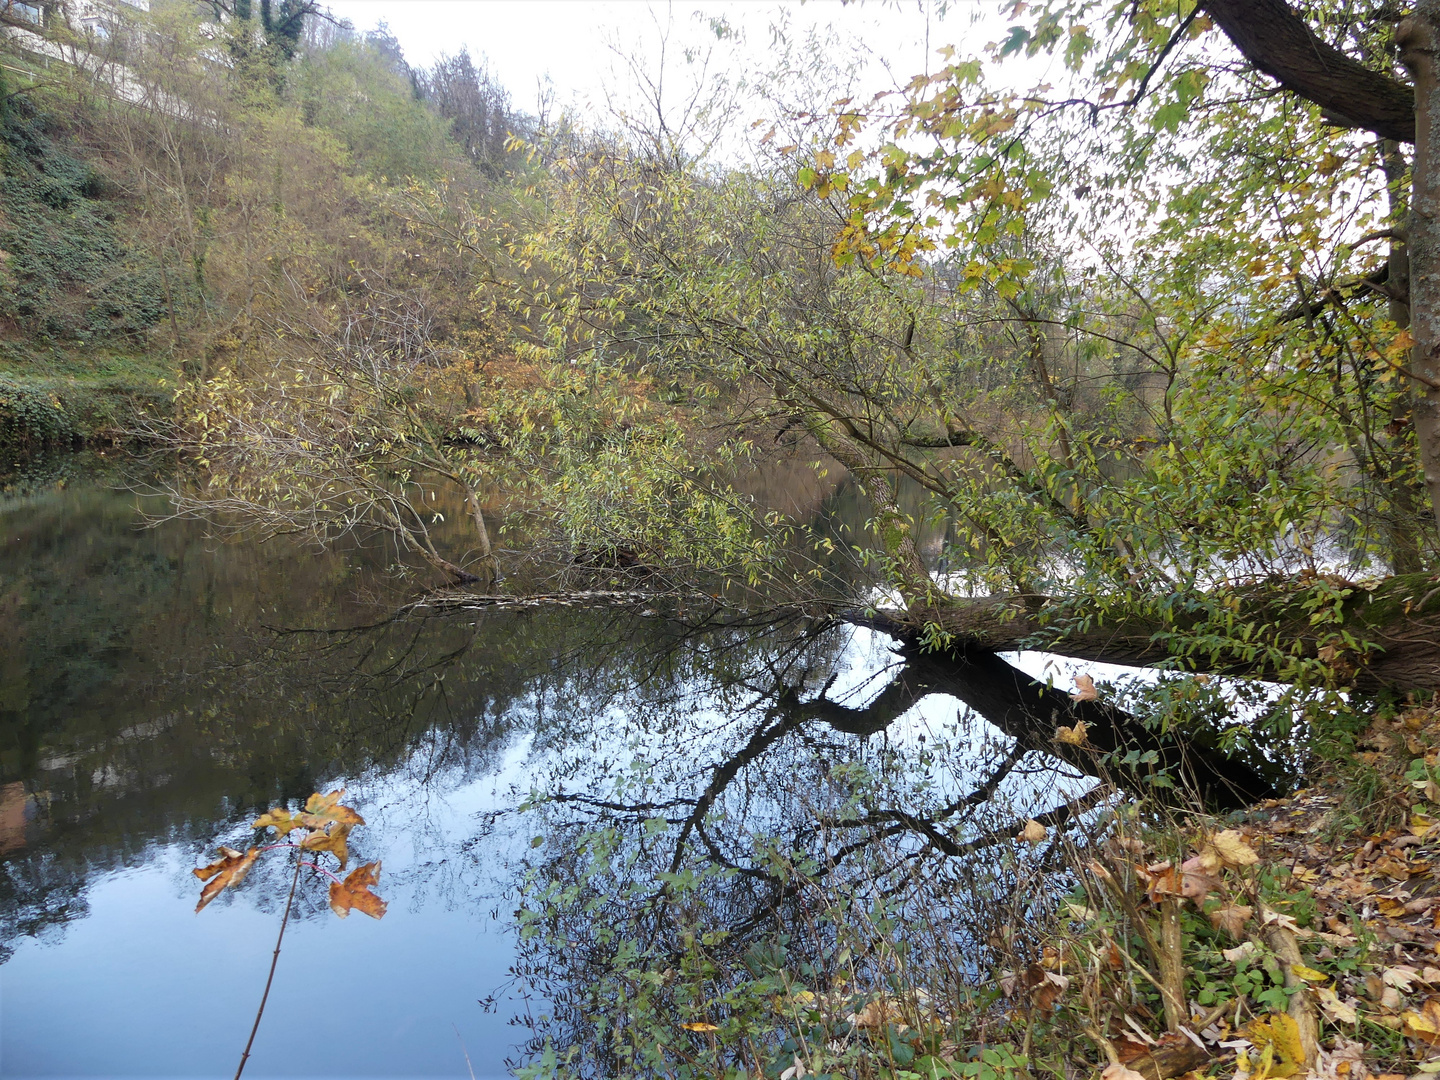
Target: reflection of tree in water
202	718
739	812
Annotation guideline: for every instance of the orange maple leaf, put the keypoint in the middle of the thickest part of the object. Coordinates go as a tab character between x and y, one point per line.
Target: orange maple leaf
320	810
332	840
229	870
354	892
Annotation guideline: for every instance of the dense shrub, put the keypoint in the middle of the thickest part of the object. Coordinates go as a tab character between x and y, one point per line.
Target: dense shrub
31	418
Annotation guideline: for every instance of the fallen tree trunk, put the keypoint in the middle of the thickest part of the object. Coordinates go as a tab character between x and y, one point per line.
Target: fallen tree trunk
1395	625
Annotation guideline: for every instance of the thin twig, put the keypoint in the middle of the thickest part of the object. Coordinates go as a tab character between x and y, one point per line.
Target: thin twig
469	1068
274	959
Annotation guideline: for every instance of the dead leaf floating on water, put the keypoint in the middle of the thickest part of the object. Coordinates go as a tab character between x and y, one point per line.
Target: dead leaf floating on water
1084	689
229	870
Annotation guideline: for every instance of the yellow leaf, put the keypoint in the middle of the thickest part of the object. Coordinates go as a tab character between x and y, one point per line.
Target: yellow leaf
1072	736
1279	1034
1309	974
279	819
700	1026
1232	848
1425	1024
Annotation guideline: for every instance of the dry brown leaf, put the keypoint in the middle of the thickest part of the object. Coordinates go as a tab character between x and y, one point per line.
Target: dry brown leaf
1391	867
1231	847
1033	832
1049	991
875	1015
1345	1061
1402	977
1195	882
229	871
1114	958
1240	952
1130	1048
1232	918
333	840
1084	689
1120	1072
1161	880
1336	1011
354	892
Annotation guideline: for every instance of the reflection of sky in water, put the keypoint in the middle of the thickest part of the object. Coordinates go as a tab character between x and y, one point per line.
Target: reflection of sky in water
133	982
144	986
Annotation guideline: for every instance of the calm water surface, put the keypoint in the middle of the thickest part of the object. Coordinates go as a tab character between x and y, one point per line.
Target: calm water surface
150	706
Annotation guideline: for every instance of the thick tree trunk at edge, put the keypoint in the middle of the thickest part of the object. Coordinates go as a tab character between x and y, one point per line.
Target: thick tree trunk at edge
1417	38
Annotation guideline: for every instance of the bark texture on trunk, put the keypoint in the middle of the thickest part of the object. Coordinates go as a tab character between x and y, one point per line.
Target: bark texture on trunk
1406	507
1273	37
1399	619
1417	37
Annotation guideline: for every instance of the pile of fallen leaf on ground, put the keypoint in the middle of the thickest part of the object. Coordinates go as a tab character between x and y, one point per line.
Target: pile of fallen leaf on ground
1303	940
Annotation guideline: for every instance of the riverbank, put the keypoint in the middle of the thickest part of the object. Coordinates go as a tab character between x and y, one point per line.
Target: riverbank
65	396
1295	938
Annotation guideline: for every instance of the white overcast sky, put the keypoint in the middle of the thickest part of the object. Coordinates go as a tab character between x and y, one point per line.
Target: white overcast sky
525	41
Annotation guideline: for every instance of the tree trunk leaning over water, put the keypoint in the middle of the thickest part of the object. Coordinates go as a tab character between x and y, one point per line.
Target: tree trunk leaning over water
1396	624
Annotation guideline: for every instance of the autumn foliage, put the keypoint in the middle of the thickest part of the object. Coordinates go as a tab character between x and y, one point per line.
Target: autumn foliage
325	825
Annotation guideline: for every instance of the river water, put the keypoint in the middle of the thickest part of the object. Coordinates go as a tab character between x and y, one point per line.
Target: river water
155	697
